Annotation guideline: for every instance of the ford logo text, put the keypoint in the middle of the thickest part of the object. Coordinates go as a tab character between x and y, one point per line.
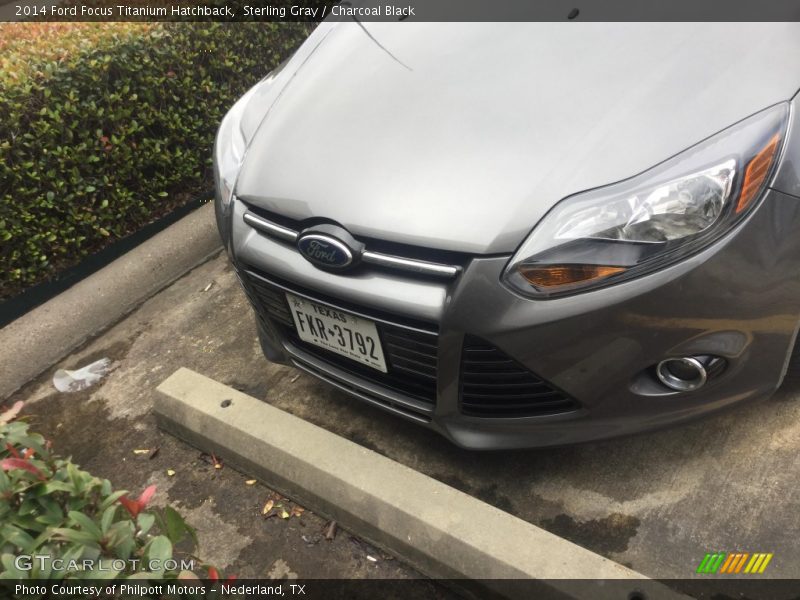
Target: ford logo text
325	251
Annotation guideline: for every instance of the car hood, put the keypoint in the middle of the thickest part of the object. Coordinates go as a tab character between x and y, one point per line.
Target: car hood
462	136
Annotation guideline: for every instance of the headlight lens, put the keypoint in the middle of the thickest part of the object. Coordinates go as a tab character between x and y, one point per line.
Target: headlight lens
630	228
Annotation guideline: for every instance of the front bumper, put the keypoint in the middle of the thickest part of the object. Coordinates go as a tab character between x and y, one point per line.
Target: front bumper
738	299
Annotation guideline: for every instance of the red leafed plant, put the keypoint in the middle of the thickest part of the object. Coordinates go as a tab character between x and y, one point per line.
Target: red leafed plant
134	507
8	464
79	515
214	575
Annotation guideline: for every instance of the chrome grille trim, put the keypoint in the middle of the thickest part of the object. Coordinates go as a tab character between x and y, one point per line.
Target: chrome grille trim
375	258
270	228
410	264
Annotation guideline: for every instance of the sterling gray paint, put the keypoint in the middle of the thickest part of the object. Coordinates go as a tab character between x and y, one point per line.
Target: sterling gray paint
787	179
467	148
513	116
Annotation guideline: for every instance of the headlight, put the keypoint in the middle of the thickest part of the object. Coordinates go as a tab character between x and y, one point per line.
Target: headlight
627	229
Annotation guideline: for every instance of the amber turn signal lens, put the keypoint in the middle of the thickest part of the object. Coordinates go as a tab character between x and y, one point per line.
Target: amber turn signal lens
755	173
550	276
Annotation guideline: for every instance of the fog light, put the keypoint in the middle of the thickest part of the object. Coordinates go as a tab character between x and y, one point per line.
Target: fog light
682	374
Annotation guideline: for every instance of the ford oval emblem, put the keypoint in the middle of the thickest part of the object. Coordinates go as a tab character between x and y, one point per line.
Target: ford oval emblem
325	251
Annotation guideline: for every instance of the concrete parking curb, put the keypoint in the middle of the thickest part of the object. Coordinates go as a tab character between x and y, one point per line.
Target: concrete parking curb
438	529
37	340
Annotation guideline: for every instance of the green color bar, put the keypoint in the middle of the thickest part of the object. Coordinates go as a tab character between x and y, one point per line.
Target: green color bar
713	568
702	567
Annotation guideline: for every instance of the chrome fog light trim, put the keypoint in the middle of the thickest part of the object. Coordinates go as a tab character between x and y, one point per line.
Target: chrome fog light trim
682	384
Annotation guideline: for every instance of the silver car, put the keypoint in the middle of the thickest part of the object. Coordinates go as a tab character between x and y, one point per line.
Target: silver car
524	234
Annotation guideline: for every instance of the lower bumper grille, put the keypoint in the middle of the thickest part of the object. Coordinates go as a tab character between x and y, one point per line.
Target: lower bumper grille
492	383
495	385
411	353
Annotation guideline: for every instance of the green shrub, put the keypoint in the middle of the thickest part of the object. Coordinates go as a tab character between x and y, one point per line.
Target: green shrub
51	508
102	137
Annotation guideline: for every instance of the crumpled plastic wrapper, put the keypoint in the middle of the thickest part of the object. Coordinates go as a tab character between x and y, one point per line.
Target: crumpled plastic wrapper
80	379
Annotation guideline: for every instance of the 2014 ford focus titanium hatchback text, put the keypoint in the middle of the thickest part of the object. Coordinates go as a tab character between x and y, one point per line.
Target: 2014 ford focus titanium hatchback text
524	234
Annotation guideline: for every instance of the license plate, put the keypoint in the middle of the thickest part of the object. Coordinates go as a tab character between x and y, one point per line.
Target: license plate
337	331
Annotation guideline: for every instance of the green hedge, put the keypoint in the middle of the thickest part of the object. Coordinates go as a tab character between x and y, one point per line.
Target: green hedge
104	137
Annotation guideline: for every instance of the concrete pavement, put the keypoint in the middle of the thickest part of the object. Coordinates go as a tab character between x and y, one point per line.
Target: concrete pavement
47	333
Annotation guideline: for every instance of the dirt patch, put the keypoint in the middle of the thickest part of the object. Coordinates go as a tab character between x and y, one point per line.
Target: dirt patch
116	352
360	438
603	536
77	426
491	495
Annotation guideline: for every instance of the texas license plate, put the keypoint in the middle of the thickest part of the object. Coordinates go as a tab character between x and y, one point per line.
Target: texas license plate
337	331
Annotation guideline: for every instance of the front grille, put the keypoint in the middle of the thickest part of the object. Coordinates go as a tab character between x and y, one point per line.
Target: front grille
495	385
433	255
411	353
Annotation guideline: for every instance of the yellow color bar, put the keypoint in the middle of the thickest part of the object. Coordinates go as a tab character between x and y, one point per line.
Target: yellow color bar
764	564
755	563
751	563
